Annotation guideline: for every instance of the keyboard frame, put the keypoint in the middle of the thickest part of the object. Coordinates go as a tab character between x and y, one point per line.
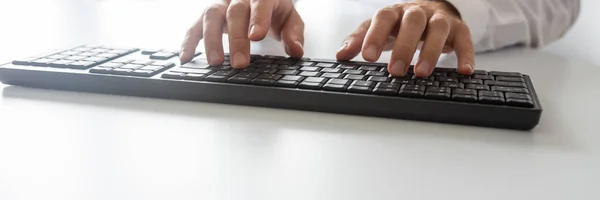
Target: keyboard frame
415	109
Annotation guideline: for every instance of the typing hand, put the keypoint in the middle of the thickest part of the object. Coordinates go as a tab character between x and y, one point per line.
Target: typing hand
244	21
402	27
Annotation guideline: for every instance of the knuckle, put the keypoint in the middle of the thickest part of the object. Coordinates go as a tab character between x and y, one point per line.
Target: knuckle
439	21
415	15
387	13
214	10
238	8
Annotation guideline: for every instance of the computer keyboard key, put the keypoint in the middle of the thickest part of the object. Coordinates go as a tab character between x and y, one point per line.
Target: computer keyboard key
491	94
142	62
429	78
506	84
483	77
76	57
57	56
335	87
438	89
369	68
316	80
240	79
264	60
286	62
193	77
491	100
173	75
162	55
520	103
309	69
464	98
310	85
395	86
347	67
325	65
510	79
332	70
419	88
151	51
225	73
95	59
340	82
151	68
427	83
374	73
517	96
190	70
107	55
439	74
471	81
42	62
481	72
355	77
464	91
217	78
369	84
288	72
453	85
386	91
510	89
265	71
446	79
123	60
111	65
196	64
410	93
143	73
360	89
354	72
270	76
513	74
437	95
61	63
120	71
132	66
403	81
82	64
292	78
70	53
101	70
332	75
288	67
379	79
304	63
163	63
288	84
477	87
99	50
310	74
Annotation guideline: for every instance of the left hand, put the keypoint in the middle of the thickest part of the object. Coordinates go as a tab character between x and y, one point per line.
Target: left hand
435	22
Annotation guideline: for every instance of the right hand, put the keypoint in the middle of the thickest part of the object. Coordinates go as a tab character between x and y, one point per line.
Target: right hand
244	21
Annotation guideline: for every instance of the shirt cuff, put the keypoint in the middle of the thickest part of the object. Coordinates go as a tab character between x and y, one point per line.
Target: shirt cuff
475	13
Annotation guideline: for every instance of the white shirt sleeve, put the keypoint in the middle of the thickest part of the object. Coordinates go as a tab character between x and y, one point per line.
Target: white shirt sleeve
497	24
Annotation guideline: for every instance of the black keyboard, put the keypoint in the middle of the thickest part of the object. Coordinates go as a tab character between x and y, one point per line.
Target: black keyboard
486	98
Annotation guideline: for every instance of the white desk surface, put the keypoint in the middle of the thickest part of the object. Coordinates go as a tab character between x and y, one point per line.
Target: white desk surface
74	146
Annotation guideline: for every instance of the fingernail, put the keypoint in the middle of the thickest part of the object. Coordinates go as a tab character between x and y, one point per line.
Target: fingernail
470	67
399	67
239	59
253	30
213	57
299	44
424	67
371	52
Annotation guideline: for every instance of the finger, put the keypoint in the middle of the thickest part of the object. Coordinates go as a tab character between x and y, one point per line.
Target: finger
437	32
238	15
214	20
381	27
292	35
191	40
412	26
352	45
260	18
463	44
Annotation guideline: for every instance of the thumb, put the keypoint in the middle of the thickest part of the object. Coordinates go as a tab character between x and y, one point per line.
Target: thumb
292	35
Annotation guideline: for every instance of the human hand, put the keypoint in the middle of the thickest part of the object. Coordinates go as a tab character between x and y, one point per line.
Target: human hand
244	21
435	22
